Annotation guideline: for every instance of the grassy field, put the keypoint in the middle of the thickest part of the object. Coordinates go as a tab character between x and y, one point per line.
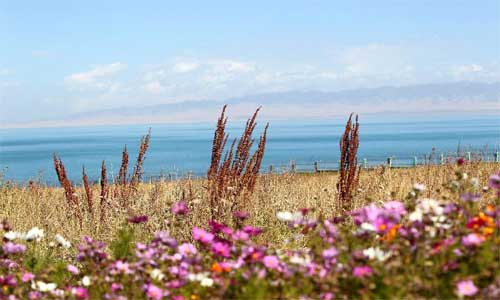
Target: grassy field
430	232
46	207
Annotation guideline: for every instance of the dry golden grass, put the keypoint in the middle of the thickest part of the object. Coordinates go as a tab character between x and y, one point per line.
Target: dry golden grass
47	208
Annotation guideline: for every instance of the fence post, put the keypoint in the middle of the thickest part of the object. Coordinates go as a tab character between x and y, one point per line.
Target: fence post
389	162
468	154
415	161
497	157
293	166
365	163
271	169
316	167
441	158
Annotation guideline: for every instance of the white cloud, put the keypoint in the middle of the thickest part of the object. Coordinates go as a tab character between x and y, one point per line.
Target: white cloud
467	69
154	87
184	67
4	72
97	77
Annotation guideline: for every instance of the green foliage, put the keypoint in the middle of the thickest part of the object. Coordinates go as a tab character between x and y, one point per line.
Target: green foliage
123	244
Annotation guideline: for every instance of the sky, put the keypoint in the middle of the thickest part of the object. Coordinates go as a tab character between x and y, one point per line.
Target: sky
64	57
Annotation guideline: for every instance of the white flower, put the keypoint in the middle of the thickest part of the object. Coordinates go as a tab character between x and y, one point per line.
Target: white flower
43	287
34	234
430	206
12	235
416	215
418	187
62	241
287	216
156	274
197	277
86	281
207	282
464	176
298	260
376	253
368	227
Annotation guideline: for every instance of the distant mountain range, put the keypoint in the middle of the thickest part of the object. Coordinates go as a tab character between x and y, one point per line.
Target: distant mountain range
455	97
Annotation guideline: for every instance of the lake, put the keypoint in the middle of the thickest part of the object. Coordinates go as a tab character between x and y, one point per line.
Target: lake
180	148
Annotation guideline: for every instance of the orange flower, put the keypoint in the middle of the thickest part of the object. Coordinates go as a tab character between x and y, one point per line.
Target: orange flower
391	234
216	268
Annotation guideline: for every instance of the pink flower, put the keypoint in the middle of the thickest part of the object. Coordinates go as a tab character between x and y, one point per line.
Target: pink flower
466	288
80	293
12	248
122	267
154	292
221	249
330	253
180	208
138	219
472	240
362	271
27	277
202	235
187	249
271	262
73	270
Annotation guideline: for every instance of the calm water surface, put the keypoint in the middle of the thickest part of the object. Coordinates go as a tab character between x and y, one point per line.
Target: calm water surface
27	153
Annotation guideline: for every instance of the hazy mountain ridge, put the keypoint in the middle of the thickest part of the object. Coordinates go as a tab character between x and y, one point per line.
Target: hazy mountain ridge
455	96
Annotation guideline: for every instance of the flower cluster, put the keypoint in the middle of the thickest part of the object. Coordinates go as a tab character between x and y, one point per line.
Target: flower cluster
413	248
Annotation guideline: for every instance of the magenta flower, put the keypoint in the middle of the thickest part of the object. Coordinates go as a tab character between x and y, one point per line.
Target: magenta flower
221	249
472	240
80	293
202	236
154	292
466	288
271	262
180	208
362	271
138	219
241	215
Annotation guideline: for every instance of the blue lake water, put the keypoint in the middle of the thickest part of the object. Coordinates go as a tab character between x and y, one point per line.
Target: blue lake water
179	148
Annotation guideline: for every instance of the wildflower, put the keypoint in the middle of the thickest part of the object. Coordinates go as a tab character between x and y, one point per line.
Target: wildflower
43	287
180	208
86	281
27	277
362	271
157	274
287	216
154	292
221	249
466	288
376	253
461	161
472	240
12	235
241	215
122	267
494	181
62	241
207	282
202	235
187	249
11	248
470	197
271	262
73	269
330	253
138	219
80	292
34	234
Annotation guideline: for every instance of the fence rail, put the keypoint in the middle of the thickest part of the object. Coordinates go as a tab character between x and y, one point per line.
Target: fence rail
333	166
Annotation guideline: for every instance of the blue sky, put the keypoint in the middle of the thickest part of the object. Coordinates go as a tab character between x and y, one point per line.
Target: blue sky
61	57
